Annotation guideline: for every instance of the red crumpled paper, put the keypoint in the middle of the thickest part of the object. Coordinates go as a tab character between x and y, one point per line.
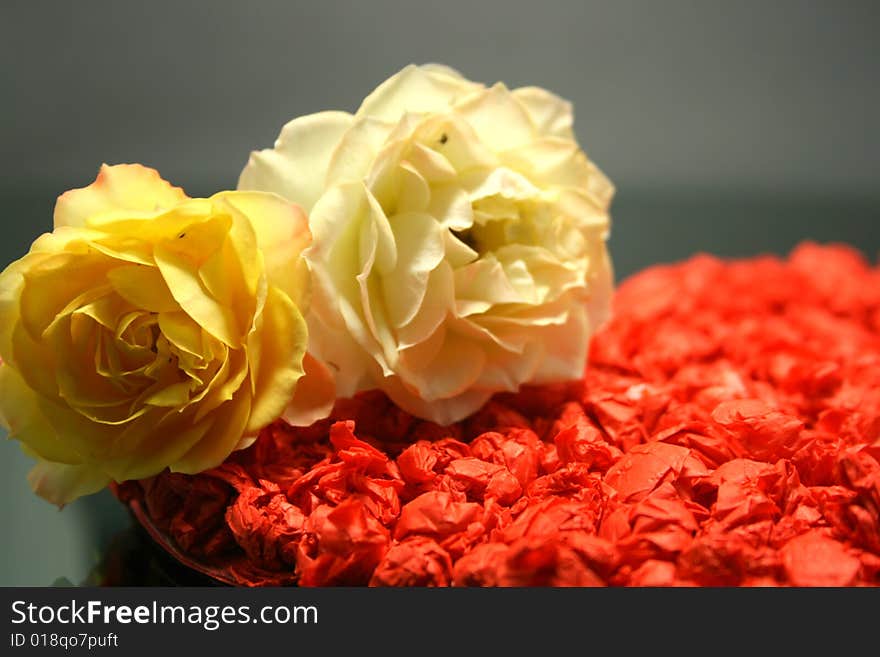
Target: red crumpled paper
726	433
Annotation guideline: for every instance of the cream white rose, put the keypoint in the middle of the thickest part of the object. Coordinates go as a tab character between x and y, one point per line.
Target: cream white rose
459	239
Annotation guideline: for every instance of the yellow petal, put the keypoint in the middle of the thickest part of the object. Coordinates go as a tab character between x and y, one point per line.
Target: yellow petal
182	277
50	284
225	384
129	187
376	245
182	331
74	239
127	248
143	287
282	233
34	362
60	484
172	396
283	340
118	226
20	415
506	370
11	285
227	428
79	383
500	182
419	356
377	240
89	302
143	449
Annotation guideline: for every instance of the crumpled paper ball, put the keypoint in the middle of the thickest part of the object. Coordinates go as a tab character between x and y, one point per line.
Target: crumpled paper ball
725	433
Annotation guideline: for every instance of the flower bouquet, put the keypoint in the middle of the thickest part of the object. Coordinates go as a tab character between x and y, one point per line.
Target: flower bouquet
387	359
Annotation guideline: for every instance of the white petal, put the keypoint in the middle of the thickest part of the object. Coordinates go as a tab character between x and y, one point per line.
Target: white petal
344	358
429	88
441	411
436	305
502	182
498	118
373	311
600	288
458	254
508	370
565	349
484	280
357	151
433	166
314	396
551	115
451	206
459	143
297	167
453	370
507	336
419	356
552	162
537	274
413	193
420	248
353	243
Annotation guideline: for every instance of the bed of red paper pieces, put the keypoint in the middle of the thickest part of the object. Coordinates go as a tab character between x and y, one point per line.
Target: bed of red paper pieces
726	432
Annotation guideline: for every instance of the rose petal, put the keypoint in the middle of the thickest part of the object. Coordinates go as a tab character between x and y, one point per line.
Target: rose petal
297	166
283	340
499	119
550	114
227	426
129	187
420	248
415	89
60	484
182	278
143	287
21	417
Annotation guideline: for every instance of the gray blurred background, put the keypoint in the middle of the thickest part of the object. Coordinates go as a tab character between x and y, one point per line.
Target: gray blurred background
733	128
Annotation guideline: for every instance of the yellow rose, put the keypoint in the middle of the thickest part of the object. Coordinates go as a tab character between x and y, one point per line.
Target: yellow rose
152	330
460	238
